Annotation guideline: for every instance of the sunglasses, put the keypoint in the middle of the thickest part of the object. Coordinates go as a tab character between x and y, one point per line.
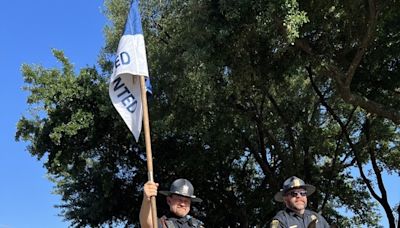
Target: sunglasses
297	193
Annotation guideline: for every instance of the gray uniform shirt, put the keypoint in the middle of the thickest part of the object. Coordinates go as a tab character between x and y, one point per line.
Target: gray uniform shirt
289	219
177	222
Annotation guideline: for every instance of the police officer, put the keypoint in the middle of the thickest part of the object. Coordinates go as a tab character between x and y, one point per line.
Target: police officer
294	194
179	198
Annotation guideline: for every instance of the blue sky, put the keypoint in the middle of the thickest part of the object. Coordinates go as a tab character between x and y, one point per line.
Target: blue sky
29	30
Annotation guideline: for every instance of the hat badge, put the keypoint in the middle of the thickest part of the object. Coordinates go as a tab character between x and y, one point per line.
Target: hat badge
185	189
296	183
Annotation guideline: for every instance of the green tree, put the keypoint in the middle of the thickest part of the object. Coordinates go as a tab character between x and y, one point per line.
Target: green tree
265	57
246	93
86	149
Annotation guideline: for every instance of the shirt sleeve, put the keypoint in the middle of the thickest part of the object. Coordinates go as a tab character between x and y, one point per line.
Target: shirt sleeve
322	222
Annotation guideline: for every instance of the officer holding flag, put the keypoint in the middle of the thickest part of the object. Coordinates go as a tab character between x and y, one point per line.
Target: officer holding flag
179	199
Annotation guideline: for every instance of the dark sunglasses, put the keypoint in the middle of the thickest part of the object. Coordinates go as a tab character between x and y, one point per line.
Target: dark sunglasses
296	193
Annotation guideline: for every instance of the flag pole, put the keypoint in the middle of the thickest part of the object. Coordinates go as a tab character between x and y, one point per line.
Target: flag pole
149	155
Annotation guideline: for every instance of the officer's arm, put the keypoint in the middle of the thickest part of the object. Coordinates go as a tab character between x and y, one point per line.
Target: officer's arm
325	224
321	221
145	216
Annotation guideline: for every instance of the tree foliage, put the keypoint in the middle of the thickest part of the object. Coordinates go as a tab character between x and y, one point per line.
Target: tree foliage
246	93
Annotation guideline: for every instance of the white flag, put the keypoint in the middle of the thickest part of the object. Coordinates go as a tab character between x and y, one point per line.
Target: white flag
130	64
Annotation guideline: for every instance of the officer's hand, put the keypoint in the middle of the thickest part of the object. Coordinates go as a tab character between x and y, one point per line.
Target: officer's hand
150	189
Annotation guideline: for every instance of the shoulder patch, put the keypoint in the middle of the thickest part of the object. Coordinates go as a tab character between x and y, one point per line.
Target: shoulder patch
313	217
274	223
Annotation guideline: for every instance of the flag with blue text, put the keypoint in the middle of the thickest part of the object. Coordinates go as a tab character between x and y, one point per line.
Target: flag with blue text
129	65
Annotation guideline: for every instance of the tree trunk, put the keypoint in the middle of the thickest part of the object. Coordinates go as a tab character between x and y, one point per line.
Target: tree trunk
398	218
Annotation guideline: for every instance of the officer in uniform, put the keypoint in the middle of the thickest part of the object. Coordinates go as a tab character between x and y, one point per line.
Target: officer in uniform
294	195
179	198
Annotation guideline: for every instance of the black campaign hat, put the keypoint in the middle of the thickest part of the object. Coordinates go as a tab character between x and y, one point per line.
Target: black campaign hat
292	183
184	188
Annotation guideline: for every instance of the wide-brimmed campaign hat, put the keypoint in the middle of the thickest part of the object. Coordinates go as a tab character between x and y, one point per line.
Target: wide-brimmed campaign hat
292	183
182	187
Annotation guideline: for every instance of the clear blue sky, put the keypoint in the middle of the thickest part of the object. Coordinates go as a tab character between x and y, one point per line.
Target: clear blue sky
29	30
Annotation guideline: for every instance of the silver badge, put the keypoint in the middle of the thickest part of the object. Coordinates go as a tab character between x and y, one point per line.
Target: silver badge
185	189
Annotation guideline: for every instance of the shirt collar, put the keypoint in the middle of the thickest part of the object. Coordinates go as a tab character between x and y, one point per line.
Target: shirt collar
292	213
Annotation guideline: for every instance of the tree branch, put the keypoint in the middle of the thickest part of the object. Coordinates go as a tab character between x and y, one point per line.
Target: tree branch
383	200
363	102
371	27
348	139
343	80
266	168
285	120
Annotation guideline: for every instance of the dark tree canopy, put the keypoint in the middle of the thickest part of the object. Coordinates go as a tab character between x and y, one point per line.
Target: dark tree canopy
246	94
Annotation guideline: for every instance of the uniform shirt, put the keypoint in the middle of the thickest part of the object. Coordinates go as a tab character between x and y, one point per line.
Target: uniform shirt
289	219
179	222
